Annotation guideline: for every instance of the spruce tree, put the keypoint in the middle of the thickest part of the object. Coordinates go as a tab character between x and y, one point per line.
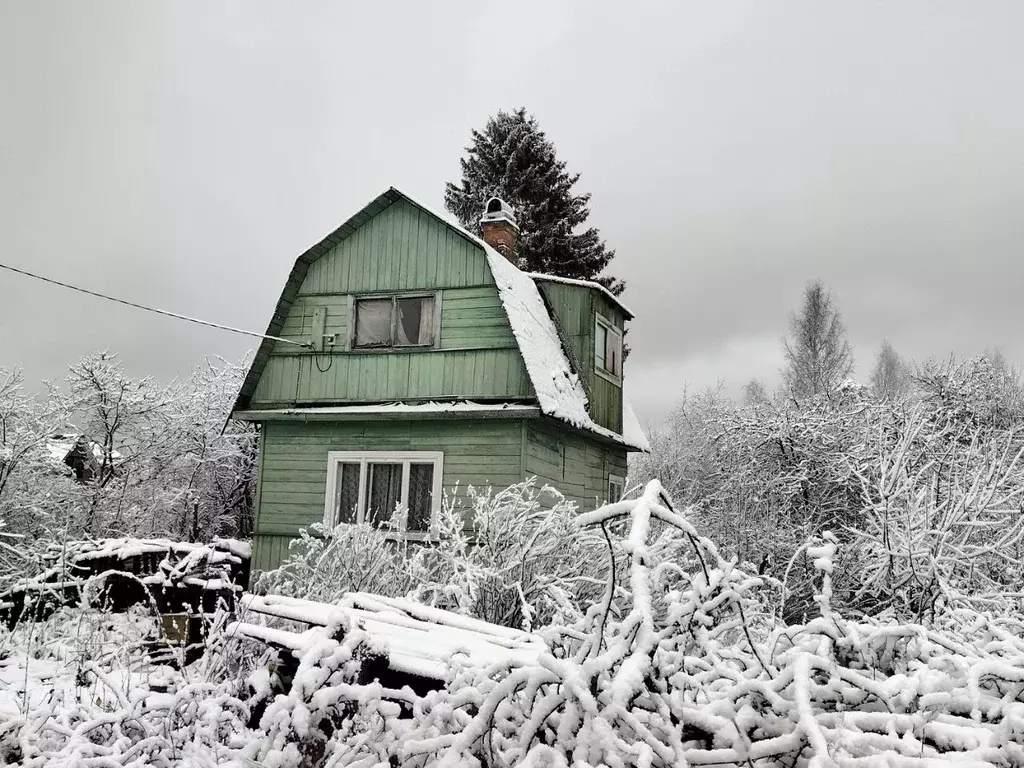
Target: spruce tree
513	159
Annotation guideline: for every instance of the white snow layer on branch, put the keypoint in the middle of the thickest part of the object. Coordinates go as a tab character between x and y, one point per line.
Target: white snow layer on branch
682	664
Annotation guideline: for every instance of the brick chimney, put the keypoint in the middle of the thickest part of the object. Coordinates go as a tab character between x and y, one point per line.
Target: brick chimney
499	226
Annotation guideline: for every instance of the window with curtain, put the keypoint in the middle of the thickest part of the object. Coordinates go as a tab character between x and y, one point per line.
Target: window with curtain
616	487
398	491
394	321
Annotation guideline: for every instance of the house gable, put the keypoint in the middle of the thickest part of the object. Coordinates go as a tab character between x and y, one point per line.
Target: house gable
397	249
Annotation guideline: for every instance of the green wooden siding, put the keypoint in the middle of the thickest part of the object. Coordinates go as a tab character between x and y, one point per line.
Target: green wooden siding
269	550
400	249
293	475
575	465
474	374
575	308
479	453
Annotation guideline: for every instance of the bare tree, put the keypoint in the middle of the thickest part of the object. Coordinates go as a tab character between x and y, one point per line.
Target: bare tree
890	378
755	392
818	356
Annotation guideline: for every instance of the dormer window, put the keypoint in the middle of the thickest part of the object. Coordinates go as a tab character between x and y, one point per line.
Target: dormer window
608	350
383	322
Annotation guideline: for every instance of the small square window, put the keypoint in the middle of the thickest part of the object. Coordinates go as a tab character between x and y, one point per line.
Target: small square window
607	349
394	321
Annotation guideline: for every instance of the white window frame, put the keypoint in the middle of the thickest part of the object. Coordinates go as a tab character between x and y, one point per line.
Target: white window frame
364	458
354	299
603	322
622	485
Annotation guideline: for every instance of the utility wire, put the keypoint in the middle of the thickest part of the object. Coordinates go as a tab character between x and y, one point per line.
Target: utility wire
153	309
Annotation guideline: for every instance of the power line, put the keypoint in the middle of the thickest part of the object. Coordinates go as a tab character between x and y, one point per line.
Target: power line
153	309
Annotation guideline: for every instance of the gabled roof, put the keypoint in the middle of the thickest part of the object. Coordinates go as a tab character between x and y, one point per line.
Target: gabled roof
560	392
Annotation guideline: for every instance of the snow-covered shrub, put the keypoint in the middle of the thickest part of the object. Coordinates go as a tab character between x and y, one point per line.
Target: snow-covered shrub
762	477
326	717
621	688
915	487
680	661
79	690
981	393
520	562
324	563
942	517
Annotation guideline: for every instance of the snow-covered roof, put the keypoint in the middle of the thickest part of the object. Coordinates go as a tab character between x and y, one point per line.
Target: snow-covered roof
60	446
586	284
559	391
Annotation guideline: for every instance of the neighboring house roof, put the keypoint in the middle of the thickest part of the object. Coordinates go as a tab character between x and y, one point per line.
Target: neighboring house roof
59	447
560	392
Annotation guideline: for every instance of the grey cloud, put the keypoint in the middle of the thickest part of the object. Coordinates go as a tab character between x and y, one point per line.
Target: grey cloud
183	154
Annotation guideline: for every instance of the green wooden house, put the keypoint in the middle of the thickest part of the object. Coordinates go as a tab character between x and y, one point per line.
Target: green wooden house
413	358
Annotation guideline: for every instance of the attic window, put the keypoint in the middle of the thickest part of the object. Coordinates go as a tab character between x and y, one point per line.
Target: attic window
607	350
395	321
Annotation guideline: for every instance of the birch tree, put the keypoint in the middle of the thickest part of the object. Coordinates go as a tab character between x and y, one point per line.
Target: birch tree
818	356
890	378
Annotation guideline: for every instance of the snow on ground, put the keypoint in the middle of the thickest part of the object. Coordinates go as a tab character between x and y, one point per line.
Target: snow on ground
675	667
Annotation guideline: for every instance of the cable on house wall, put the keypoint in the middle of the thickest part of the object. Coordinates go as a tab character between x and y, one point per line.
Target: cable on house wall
153	309
316	359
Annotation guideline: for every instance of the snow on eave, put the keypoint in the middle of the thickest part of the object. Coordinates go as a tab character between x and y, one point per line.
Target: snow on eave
585	284
459	406
410	409
632	431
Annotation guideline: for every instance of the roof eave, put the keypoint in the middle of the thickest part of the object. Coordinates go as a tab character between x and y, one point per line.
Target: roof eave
310	415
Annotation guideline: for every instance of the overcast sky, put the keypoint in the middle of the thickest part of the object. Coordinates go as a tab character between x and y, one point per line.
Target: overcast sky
183	154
